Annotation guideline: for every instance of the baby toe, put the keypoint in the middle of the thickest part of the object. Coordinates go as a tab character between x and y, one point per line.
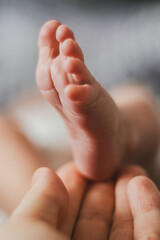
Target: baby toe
74	66
70	48
47	36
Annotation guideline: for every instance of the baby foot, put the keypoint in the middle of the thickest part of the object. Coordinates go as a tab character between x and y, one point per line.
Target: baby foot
90	114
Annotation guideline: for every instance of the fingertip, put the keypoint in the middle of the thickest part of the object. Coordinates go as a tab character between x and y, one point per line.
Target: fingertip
143	194
40	173
126	174
47	200
144	201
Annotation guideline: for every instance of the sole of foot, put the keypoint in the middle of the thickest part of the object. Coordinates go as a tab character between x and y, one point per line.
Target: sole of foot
89	112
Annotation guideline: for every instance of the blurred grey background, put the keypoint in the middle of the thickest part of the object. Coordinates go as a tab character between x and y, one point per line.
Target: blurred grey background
120	41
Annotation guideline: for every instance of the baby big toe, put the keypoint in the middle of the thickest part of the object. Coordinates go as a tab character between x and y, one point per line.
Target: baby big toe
47	36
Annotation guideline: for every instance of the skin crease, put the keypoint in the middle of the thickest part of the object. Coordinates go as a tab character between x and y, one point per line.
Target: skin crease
75	185
123	134
33	218
105	130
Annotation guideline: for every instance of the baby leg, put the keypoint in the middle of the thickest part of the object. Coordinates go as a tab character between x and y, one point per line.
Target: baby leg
18	160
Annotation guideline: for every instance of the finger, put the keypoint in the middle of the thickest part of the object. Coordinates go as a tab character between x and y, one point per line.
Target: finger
47	199
122	226
144	200
96	212
76	186
29	229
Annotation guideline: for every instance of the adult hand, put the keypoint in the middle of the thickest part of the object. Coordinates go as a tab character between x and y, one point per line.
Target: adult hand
137	207
106	211
102	210
42	213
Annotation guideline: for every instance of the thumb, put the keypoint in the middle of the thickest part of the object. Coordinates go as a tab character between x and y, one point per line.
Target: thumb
46	201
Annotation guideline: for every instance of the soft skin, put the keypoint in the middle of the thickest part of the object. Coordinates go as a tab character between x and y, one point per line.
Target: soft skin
103	130
49	212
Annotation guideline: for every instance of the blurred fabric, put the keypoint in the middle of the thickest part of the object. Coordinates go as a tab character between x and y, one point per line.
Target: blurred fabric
120	41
